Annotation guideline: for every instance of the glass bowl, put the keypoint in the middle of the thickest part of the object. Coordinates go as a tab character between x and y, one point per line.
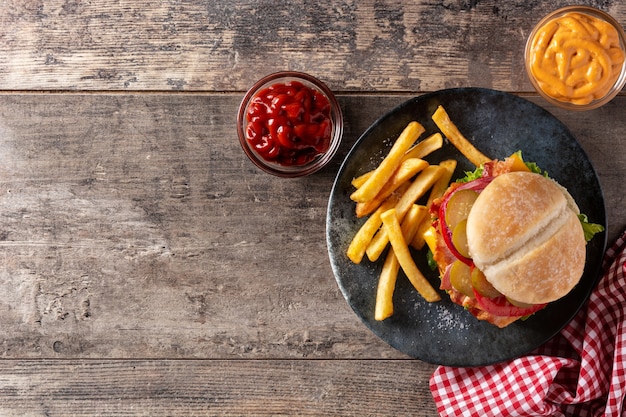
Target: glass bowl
575	57
289	124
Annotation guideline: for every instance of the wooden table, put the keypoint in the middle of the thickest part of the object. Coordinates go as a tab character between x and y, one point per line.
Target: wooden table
148	268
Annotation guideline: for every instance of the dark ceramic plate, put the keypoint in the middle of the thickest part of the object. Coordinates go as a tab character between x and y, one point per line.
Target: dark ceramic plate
498	124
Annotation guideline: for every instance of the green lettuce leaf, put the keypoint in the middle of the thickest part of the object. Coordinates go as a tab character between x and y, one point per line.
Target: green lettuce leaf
590	229
472	175
432	264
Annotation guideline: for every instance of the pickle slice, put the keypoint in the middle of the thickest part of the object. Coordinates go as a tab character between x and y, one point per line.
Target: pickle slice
459	238
460	278
480	284
459	206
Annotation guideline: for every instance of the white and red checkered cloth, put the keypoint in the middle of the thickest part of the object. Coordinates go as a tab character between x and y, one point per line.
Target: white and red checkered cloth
580	372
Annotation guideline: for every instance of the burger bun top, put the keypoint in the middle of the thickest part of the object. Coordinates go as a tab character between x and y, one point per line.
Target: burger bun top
524	234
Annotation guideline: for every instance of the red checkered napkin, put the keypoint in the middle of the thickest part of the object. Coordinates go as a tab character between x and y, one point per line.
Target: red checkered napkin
580	372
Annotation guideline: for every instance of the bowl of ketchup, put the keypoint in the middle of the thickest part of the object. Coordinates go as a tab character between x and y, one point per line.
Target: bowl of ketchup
575	57
289	124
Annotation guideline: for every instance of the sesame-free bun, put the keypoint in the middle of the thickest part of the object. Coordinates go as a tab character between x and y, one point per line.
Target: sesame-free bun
523	233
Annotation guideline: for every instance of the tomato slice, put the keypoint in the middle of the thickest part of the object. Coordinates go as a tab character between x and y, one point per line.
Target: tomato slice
500	306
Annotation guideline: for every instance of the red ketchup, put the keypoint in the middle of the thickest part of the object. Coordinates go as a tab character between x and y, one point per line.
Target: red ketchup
289	123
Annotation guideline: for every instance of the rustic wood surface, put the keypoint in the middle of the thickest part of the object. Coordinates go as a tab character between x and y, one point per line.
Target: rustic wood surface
148	268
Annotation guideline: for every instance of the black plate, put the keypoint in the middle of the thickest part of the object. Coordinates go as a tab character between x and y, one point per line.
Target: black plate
498	124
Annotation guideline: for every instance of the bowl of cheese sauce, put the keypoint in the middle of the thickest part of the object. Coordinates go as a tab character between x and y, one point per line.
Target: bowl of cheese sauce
575	57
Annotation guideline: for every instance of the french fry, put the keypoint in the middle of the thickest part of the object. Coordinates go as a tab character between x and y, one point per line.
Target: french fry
389	195
416	190
420	150
401	250
442	184
383	307
363	236
389	164
388	276
407	170
425	147
418	239
449	129
360	180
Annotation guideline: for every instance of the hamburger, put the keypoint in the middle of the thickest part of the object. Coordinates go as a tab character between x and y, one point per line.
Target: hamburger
507	241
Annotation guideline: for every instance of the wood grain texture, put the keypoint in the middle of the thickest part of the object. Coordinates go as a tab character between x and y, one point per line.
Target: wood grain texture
134	226
147	268
220	45
214	388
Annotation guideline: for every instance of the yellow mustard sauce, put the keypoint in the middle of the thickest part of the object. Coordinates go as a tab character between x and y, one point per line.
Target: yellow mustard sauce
576	58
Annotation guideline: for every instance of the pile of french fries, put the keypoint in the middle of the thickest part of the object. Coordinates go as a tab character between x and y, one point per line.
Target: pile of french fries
389	195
